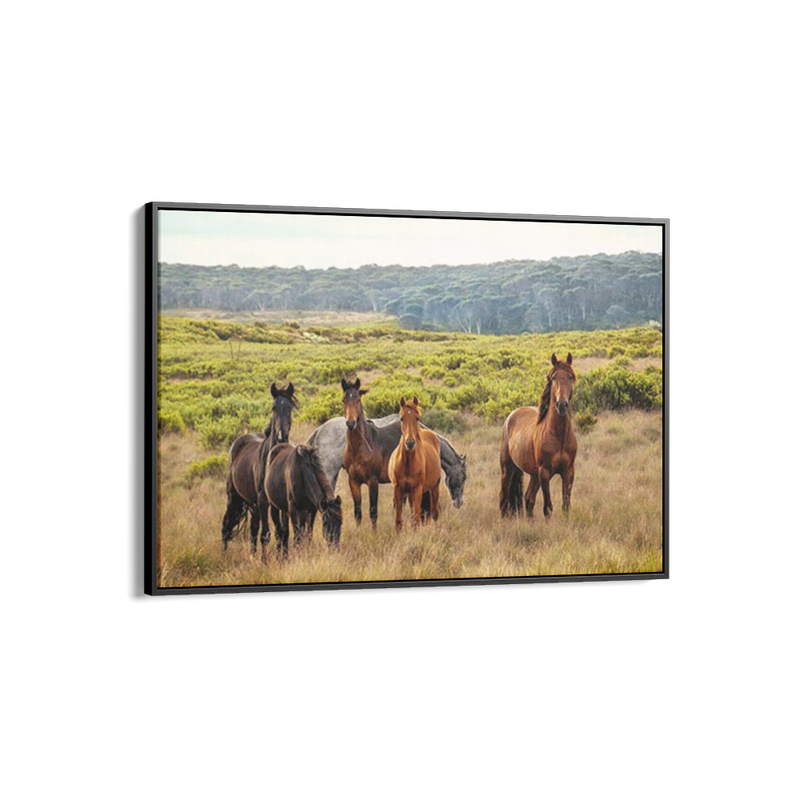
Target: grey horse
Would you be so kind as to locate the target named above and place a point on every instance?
(330, 438)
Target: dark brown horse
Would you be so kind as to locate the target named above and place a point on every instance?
(297, 489)
(540, 441)
(415, 467)
(248, 460)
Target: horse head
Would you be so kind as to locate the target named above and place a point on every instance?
(562, 381)
(283, 402)
(351, 401)
(409, 422)
(332, 519)
(455, 479)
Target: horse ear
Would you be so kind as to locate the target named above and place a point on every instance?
(357, 384)
(323, 503)
(290, 389)
(416, 402)
(274, 390)
(345, 385)
(362, 392)
(402, 402)
(569, 359)
(464, 459)
(554, 360)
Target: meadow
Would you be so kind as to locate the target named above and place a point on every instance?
(214, 379)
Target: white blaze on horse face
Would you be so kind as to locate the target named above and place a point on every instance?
(408, 426)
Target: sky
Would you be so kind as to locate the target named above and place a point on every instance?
(317, 242)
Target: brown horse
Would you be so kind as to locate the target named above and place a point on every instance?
(248, 460)
(540, 441)
(297, 489)
(366, 457)
(415, 466)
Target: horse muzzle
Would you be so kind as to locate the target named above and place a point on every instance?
(411, 444)
(351, 424)
(562, 407)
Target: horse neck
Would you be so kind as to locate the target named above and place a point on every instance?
(360, 434)
(556, 423)
(315, 486)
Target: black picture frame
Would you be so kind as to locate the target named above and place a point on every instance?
(152, 233)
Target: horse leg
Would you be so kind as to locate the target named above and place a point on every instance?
(510, 488)
(530, 493)
(434, 502)
(310, 519)
(355, 490)
(544, 480)
(298, 523)
(416, 507)
(255, 524)
(426, 506)
(398, 508)
(281, 530)
(373, 503)
(566, 487)
(263, 513)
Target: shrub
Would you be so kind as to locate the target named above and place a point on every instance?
(326, 404)
(616, 388)
(584, 421)
(170, 420)
(444, 421)
(211, 467)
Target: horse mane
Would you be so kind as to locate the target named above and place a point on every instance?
(544, 400)
(309, 454)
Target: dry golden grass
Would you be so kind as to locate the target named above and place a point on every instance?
(615, 525)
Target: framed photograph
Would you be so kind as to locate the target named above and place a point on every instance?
(352, 398)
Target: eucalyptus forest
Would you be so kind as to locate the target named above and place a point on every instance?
(570, 293)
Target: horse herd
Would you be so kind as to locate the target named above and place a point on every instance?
(269, 478)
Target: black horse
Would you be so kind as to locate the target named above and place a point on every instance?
(248, 463)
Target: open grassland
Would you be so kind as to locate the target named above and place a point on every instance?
(614, 526)
(214, 379)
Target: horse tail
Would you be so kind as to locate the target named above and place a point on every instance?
(235, 514)
(511, 480)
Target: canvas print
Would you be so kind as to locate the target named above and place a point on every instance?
(351, 398)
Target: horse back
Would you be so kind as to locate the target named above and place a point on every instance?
(433, 458)
(244, 454)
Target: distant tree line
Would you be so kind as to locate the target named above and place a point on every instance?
(575, 293)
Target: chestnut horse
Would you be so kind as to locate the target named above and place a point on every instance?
(415, 467)
(366, 451)
(540, 441)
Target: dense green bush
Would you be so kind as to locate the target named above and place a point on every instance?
(615, 388)
(211, 467)
(202, 388)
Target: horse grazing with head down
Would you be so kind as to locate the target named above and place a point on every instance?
(297, 489)
(248, 461)
(540, 441)
(415, 467)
